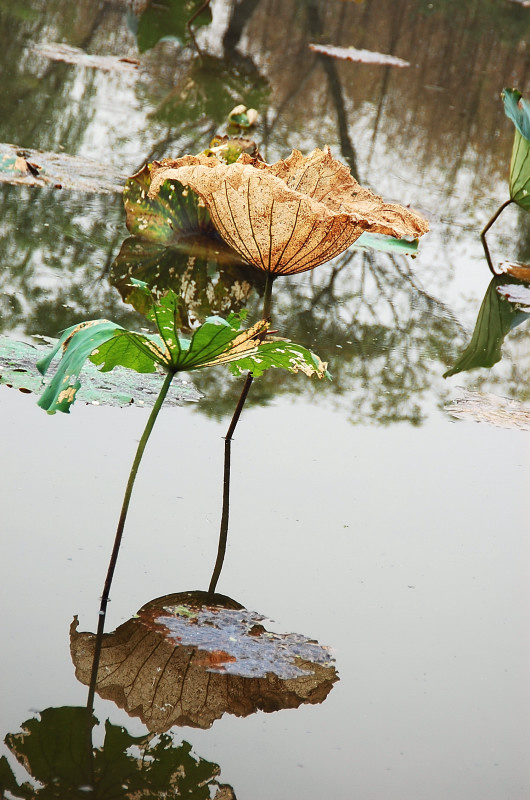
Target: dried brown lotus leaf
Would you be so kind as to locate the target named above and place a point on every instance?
(293, 215)
(187, 660)
(166, 169)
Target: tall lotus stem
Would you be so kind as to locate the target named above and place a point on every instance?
(225, 513)
(119, 531)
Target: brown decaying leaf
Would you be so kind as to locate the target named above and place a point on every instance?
(515, 269)
(290, 216)
(360, 56)
(156, 673)
(73, 55)
(484, 407)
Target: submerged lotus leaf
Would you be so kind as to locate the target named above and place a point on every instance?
(59, 51)
(187, 660)
(25, 167)
(518, 110)
(290, 216)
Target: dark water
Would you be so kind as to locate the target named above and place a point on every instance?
(362, 514)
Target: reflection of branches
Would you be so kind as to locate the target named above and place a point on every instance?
(290, 96)
(396, 31)
(202, 87)
(55, 253)
(335, 88)
(241, 13)
(384, 339)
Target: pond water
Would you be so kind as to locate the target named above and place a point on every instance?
(363, 515)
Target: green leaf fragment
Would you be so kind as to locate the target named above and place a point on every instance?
(387, 244)
(134, 351)
(518, 110)
(78, 342)
(520, 171)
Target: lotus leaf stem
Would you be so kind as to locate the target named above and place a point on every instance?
(486, 229)
(119, 531)
(225, 513)
(223, 532)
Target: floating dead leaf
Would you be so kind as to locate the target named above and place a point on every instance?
(515, 269)
(187, 660)
(484, 407)
(57, 51)
(22, 166)
(290, 216)
(360, 56)
(518, 294)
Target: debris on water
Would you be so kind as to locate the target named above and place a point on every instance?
(26, 167)
(484, 407)
(57, 51)
(360, 56)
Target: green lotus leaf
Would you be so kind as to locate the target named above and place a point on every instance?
(216, 341)
(495, 319)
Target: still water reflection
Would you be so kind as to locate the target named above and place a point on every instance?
(400, 543)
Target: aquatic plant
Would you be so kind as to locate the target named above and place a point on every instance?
(217, 341)
(518, 110)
